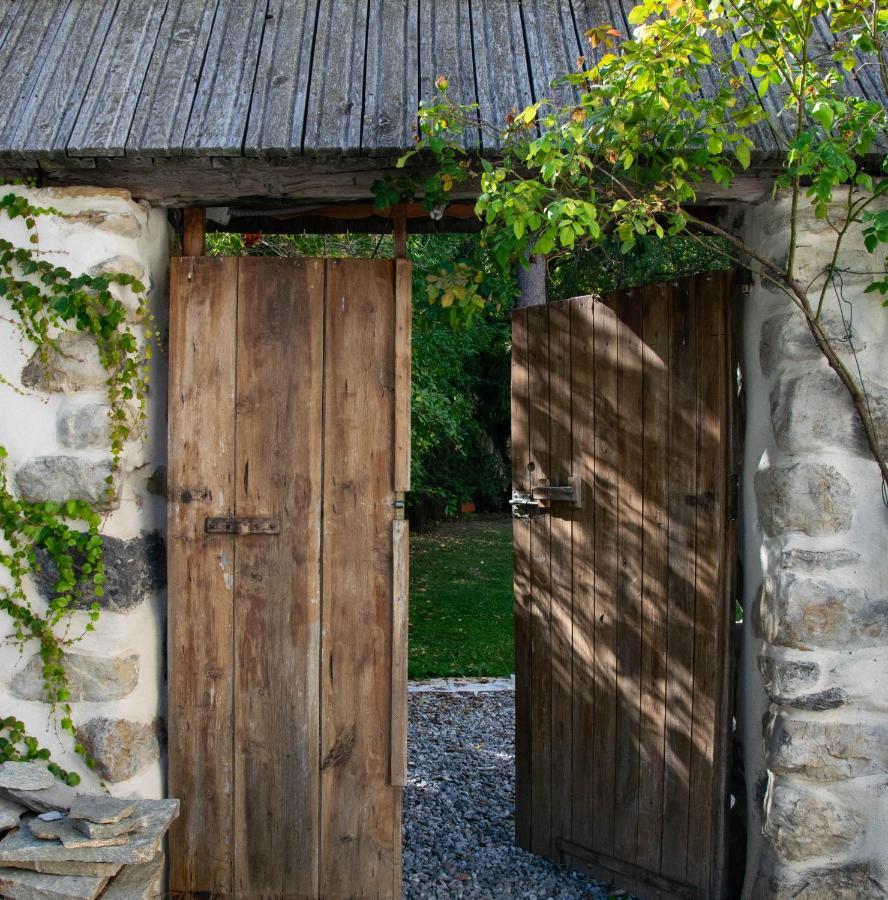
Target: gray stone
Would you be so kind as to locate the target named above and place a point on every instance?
(853, 881)
(10, 813)
(68, 867)
(813, 411)
(101, 809)
(136, 882)
(142, 847)
(124, 224)
(831, 698)
(121, 265)
(73, 366)
(25, 776)
(120, 747)
(63, 478)
(802, 822)
(95, 829)
(813, 498)
(786, 338)
(785, 679)
(826, 751)
(802, 558)
(83, 425)
(60, 797)
(134, 569)
(95, 679)
(72, 838)
(20, 884)
(806, 613)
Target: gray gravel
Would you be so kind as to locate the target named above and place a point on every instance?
(459, 806)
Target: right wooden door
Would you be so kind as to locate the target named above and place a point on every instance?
(623, 594)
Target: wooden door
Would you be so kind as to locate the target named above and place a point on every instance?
(623, 596)
(288, 447)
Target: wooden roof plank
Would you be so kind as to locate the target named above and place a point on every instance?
(445, 48)
(277, 113)
(336, 89)
(391, 94)
(498, 35)
(106, 113)
(553, 47)
(218, 122)
(164, 104)
(57, 93)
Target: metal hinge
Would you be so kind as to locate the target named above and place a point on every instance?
(242, 525)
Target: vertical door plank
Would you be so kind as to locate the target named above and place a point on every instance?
(656, 374)
(403, 331)
(360, 809)
(400, 623)
(541, 605)
(607, 498)
(582, 314)
(522, 576)
(203, 304)
(682, 462)
(709, 652)
(561, 523)
(277, 577)
(628, 572)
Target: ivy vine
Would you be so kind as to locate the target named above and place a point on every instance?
(47, 300)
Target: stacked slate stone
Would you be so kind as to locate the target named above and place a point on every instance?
(59, 843)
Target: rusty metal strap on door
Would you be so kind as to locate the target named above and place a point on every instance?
(240, 525)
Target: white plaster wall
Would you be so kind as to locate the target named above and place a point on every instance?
(110, 224)
(852, 670)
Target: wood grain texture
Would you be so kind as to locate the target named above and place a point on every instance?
(277, 111)
(360, 809)
(277, 590)
(336, 91)
(403, 383)
(200, 580)
(217, 125)
(628, 613)
(109, 102)
(553, 47)
(400, 625)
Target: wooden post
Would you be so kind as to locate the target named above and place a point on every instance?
(532, 284)
(399, 237)
(194, 231)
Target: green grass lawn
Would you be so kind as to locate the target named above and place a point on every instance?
(461, 599)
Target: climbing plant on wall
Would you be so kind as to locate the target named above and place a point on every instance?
(636, 131)
(44, 300)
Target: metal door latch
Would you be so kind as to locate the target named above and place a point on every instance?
(242, 525)
(525, 506)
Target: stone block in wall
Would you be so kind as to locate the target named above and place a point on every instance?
(812, 498)
(63, 478)
(792, 682)
(123, 224)
(134, 569)
(802, 822)
(806, 560)
(83, 425)
(854, 881)
(808, 613)
(787, 339)
(825, 751)
(73, 365)
(120, 747)
(95, 679)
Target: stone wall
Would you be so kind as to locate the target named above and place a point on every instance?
(54, 425)
(814, 711)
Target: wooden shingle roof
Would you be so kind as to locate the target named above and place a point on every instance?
(90, 88)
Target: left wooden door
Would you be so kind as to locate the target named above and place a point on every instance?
(287, 575)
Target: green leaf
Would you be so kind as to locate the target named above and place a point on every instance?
(741, 151)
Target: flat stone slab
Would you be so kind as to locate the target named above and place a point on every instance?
(59, 797)
(63, 830)
(21, 884)
(25, 776)
(10, 813)
(67, 867)
(96, 830)
(141, 847)
(136, 882)
(101, 808)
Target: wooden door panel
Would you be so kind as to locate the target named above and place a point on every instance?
(286, 657)
(623, 623)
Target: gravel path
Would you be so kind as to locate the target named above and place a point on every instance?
(459, 806)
